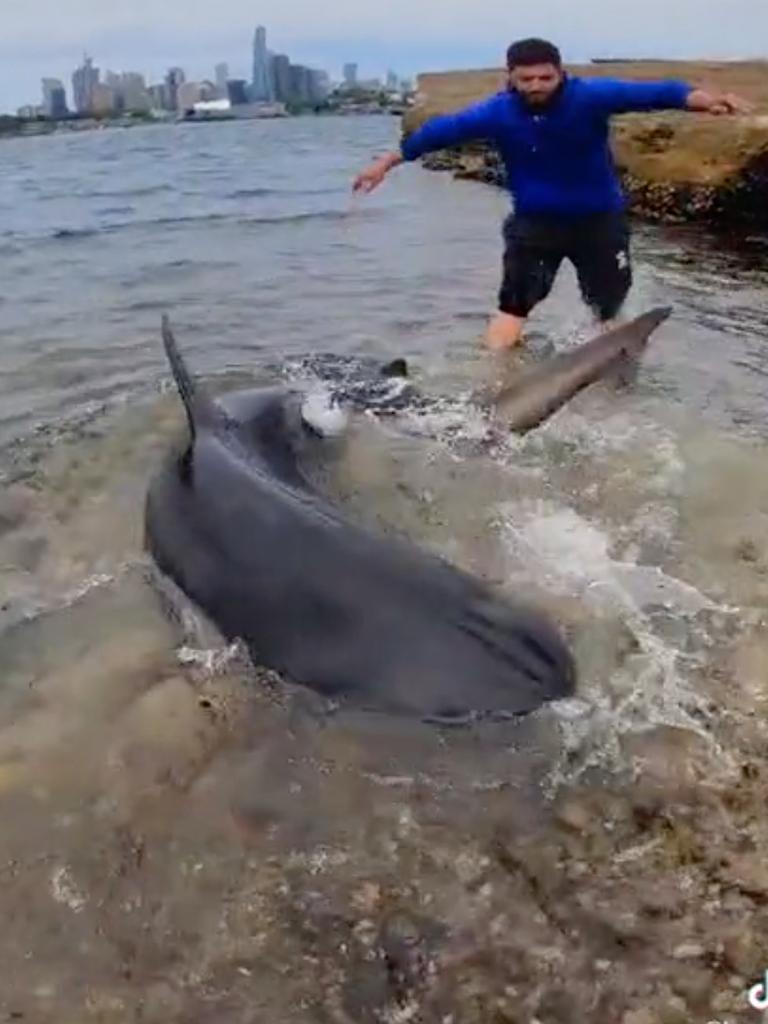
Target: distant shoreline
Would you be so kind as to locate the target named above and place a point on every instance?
(15, 128)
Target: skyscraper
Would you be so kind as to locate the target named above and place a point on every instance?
(102, 100)
(319, 86)
(189, 93)
(133, 89)
(129, 90)
(222, 77)
(350, 75)
(281, 76)
(173, 81)
(237, 90)
(54, 98)
(84, 81)
(392, 81)
(323, 81)
(261, 83)
(158, 96)
(114, 83)
(301, 87)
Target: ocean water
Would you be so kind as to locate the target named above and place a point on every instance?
(248, 236)
(178, 826)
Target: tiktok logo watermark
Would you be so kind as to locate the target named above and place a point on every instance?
(758, 994)
(757, 997)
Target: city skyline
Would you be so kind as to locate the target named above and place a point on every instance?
(153, 70)
(273, 78)
(436, 35)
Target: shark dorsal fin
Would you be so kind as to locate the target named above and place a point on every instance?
(200, 408)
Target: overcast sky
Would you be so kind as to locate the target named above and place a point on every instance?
(48, 37)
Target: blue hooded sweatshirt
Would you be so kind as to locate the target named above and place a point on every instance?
(558, 159)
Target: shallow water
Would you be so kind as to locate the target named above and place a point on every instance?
(188, 839)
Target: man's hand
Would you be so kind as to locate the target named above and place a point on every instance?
(722, 103)
(373, 176)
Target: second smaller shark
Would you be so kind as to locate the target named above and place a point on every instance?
(538, 393)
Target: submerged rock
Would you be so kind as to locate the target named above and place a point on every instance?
(15, 506)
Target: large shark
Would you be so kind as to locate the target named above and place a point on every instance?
(360, 617)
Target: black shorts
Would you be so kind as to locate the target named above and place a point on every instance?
(597, 246)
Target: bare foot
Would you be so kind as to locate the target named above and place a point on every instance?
(504, 332)
(605, 326)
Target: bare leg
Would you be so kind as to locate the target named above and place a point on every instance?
(604, 326)
(505, 331)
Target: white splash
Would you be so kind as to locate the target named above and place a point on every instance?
(212, 661)
(569, 555)
(323, 414)
(572, 556)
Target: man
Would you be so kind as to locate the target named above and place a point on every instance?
(552, 131)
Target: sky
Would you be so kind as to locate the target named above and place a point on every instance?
(48, 37)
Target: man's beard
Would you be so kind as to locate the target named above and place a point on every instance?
(542, 101)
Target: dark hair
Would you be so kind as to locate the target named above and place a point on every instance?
(533, 51)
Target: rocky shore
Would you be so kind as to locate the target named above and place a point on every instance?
(675, 168)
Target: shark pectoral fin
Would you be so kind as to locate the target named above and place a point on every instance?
(624, 371)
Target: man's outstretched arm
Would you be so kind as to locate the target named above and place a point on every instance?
(618, 97)
(475, 122)
(717, 103)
